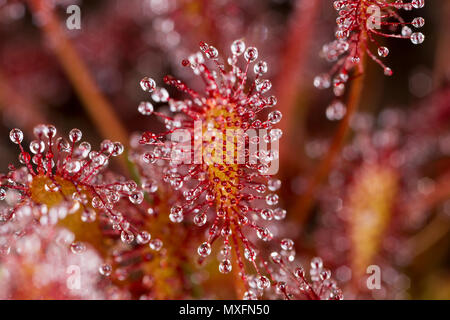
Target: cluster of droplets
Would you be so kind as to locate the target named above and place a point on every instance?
(71, 170)
(293, 283)
(43, 256)
(227, 197)
(359, 24)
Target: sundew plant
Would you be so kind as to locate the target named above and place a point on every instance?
(256, 149)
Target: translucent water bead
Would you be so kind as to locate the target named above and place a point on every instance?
(148, 84)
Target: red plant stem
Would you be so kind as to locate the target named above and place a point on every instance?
(440, 225)
(96, 105)
(239, 285)
(303, 206)
(294, 56)
(442, 62)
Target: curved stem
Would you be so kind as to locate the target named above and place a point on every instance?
(96, 105)
(289, 83)
(439, 226)
(305, 202)
(442, 63)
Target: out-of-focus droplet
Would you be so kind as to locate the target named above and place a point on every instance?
(263, 282)
(105, 269)
(155, 244)
(78, 247)
(336, 111)
(145, 108)
(143, 237)
(322, 81)
(388, 72)
(274, 117)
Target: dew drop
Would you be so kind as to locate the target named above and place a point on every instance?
(176, 214)
(200, 219)
(155, 244)
(417, 38)
(388, 71)
(260, 68)
(5, 249)
(204, 249)
(272, 199)
(264, 234)
(322, 81)
(212, 53)
(143, 237)
(263, 282)
(299, 273)
(281, 286)
(160, 95)
(118, 149)
(238, 47)
(225, 266)
(276, 257)
(37, 146)
(50, 131)
(274, 117)
(251, 54)
(316, 263)
(418, 4)
(16, 136)
(250, 254)
(418, 22)
(336, 111)
(287, 244)
(51, 187)
(127, 236)
(267, 214)
(78, 247)
(406, 31)
(274, 184)
(148, 84)
(250, 295)
(105, 270)
(263, 86)
(145, 108)
(383, 52)
(88, 215)
(279, 214)
(97, 203)
(75, 135)
(136, 197)
(149, 157)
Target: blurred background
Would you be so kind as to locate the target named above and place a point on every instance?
(385, 200)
